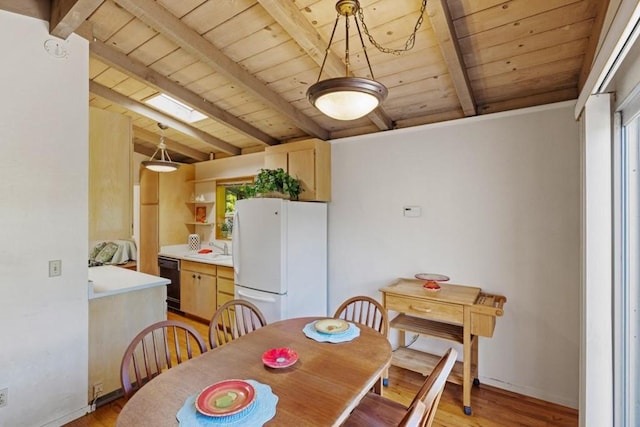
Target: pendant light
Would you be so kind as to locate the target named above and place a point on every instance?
(349, 98)
(346, 98)
(164, 164)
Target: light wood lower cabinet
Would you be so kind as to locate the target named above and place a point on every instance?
(198, 289)
(225, 285)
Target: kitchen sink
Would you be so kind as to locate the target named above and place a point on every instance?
(212, 256)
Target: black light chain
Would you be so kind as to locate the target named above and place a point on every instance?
(408, 45)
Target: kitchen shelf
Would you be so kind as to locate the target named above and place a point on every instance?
(422, 362)
(199, 223)
(202, 202)
(422, 326)
(198, 181)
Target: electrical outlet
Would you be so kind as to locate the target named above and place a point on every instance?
(4, 396)
(97, 390)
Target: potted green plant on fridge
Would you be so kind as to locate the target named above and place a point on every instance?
(274, 183)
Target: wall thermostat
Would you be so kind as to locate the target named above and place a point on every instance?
(412, 211)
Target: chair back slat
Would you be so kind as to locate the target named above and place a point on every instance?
(366, 311)
(232, 320)
(374, 410)
(429, 394)
(154, 350)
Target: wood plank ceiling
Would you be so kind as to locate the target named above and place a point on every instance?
(247, 64)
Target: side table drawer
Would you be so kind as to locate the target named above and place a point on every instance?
(451, 313)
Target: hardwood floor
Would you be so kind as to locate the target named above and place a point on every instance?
(492, 407)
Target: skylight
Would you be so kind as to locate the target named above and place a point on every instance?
(175, 108)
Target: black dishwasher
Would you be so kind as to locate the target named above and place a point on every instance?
(170, 269)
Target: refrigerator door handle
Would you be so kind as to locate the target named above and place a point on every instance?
(247, 296)
(235, 237)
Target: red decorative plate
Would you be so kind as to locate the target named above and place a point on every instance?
(331, 326)
(431, 280)
(279, 357)
(430, 277)
(225, 398)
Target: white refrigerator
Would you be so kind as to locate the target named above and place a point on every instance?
(280, 257)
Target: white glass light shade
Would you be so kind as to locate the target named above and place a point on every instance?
(346, 98)
(160, 166)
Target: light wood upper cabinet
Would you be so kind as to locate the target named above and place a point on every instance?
(110, 178)
(163, 213)
(309, 161)
(149, 186)
(175, 188)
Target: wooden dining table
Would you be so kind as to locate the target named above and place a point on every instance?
(320, 389)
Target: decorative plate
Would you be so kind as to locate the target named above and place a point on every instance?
(279, 357)
(331, 326)
(429, 277)
(225, 398)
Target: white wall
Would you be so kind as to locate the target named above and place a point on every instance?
(500, 199)
(43, 216)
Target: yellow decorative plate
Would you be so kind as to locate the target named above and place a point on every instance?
(331, 326)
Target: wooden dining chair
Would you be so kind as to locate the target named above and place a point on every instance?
(366, 311)
(232, 320)
(156, 348)
(377, 411)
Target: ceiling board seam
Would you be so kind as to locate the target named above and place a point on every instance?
(162, 20)
(163, 84)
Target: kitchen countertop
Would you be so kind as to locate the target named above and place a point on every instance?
(109, 280)
(183, 252)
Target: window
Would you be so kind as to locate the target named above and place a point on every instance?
(175, 108)
(627, 295)
(227, 193)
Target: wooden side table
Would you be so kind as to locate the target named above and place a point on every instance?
(129, 265)
(454, 313)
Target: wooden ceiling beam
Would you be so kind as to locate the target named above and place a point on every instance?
(438, 12)
(291, 19)
(68, 15)
(163, 21)
(39, 9)
(137, 107)
(141, 149)
(172, 145)
(529, 101)
(137, 70)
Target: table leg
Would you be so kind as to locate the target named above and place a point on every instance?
(466, 362)
(474, 360)
(377, 387)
